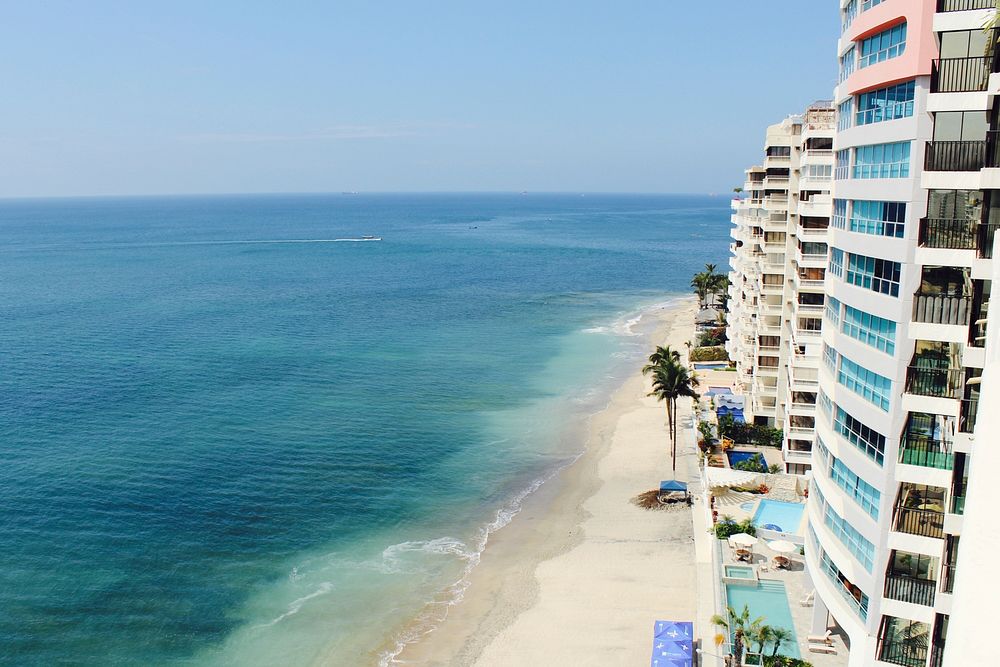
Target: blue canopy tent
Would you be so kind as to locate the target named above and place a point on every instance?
(673, 485)
(673, 644)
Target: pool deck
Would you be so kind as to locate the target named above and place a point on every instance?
(797, 586)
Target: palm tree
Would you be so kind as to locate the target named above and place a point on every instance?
(779, 635)
(740, 626)
(661, 355)
(762, 635)
(671, 380)
(702, 284)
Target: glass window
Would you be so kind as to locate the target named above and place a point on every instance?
(860, 491)
(955, 204)
(839, 218)
(847, 17)
(877, 275)
(963, 44)
(960, 126)
(885, 104)
(883, 46)
(882, 161)
(832, 311)
(830, 358)
(837, 262)
(853, 541)
(867, 384)
(879, 218)
(844, 110)
(847, 64)
(843, 169)
(868, 4)
(869, 441)
(875, 331)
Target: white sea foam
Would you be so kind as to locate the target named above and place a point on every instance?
(295, 605)
(625, 325)
(436, 610)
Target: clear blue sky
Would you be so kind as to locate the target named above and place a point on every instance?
(138, 97)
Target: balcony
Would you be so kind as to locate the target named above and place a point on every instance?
(909, 652)
(960, 75)
(955, 155)
(916, 521)
(936, 382)
(948, 233)
(967, 415)
(942, 308)
(920, 450)
(910, 589)
(984, 239)
(964, 5)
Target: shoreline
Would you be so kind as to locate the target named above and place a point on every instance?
(579, 559)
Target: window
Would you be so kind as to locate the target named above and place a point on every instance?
(824, 403)
(869, 441)
(832, 311)
(883, 46)
(853, 541)
(847, 18)
(885, 104)
(844, 110)
(879, 218)
(839, 218)
(960, 126)
(830, 358)
(868, 4)
(821, 172)
(882, 161)
(847, 64)
(875, 331)
(813, 248)
(837, 262)
(877, 275)
(843, 169)
(779, 151)
(964, 44)
(955, 204)
(857, 600)
(864, 494)
(869, 385)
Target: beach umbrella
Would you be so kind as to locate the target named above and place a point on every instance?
(743, 540)
(782, 546)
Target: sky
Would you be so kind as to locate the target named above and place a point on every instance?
(130, 98)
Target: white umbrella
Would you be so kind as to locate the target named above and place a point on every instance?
(782, 546)
(743, 539)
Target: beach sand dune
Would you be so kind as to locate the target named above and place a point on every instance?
(579, 577)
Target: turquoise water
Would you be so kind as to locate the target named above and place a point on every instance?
(768, 599)
(221, 449)
(787, 516)
(739, 572)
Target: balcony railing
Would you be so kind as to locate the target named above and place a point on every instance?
(909, 589)
(964, 5)
(942, 308)
(948, 233)
(919, 450)
(960, 75)
(937, 382)
(984, 240)
(916, 521)
(947, 578)
(955, 155)
(967, 415)
(912, 653)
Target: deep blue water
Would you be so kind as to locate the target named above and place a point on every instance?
(218, 452)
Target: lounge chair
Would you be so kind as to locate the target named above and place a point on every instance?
(822, 648)
(821, 639)
(807, 601)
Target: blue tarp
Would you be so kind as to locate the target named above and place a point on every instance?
(673, 644)
(673, 485)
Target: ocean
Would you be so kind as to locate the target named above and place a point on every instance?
(230, 438)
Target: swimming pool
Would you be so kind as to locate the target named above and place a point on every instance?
(736, 456)
(780, 516)
(710, 365)
(767, 599)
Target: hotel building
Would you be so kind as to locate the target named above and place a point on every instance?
(778, 264)
(904, 342)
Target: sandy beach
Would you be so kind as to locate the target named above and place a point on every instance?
(580, 575)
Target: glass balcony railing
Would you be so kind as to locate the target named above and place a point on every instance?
(910, 589)
(967, 415)
(916, 521)
(958, 505)
(937, 382)
(942, 308)
(960, 75)
(919, 450)
(955, 155)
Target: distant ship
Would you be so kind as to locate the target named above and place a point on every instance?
(368, 237)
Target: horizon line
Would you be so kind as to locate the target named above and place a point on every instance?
(348, 193)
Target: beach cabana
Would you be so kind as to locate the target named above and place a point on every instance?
(669, 487)
(673, 644)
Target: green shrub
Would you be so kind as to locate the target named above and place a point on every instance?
(727, 527)
(713, 337)
(785, 661)
(717, 353)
